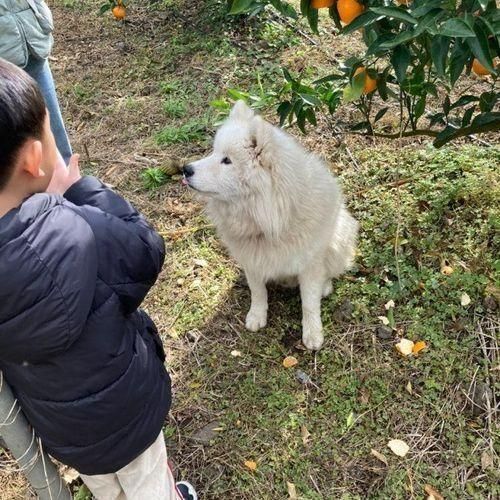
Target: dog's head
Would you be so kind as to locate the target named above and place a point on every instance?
(241, 160)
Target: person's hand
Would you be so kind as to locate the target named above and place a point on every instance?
(64, 177)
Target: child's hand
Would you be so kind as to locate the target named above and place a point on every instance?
(64, 177)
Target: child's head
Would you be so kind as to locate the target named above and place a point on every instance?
(27, 148)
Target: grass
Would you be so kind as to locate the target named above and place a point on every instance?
(418, 209)
(360, 399)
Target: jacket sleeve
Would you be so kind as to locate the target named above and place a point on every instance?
(130, 251)
(59, 268)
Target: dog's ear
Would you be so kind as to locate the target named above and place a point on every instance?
(241, 111)
(261, 137)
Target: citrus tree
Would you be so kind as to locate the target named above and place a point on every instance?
(416, 52)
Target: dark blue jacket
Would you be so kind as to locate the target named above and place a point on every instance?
(85, 363)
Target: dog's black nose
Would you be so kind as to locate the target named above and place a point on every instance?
(188, 171)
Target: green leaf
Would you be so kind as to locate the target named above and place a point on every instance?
(240, 6)
(446, 105)
(439, 53)
(332, 11)
(355, 89)
(400, 59)
(380, 114)
(456, 28)
(311, 116)
(464, 100)
(284, 8)
(487, 101)
(284, 109)
(312, 17)
(395, 13)
(427, 6)
(287, 75)
(329, 78)
(310, 99)
(304, 7)
(480, 47)
(419, 108)
(301, 121)
(363, 20)
(429, 20)
(361, 126)
(467, 116)
(459, 56)
(104, 8)
(382, 88)
(486, 119)
(403, 37)
(446, 135)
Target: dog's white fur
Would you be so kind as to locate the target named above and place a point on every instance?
(279, 211)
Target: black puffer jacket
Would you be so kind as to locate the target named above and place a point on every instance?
(84, 362)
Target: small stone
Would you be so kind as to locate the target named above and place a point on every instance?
(207, 433)
(200, 263)
(303, 377)
(490, 303)
(384, 332)
(345, 310)
(481, 393)
(180, 281)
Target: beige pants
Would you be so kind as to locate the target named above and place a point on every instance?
(148, 477)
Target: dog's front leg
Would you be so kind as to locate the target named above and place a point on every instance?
(257, 316)
(311, 288)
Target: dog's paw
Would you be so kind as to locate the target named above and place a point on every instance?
(256, 320)
(313, 342)
(312, 338)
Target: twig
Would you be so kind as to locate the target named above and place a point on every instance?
(178, 232)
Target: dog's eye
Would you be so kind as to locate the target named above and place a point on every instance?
(226, 161)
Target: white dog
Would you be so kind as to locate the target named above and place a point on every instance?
(279, 211)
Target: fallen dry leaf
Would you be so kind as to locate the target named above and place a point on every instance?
(292, 492)
(446, 270)
(486, 460)
(398, 447)
(305, 435)
(409, 389)
(433, 493)
(390, 305)
(236, 354)
(379, 456)
(405, 347)
(251, 465)
(418, 347)
(465, 299)
(384, 320)
(290, 361)
(70, 475)
(200, 263)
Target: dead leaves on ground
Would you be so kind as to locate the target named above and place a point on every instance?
(398, 447)
(406, 347)
(250, 465)
(290, 361)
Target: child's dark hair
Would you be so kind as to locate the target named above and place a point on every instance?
(22, 114)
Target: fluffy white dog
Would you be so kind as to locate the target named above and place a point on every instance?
(279, 211)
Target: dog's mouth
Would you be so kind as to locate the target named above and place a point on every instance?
(185, 182)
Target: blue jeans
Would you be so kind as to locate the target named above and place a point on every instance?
(39, 70)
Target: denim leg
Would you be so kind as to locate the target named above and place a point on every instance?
(39, 70)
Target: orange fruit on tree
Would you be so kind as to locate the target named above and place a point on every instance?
(479, 69)
(349, 10)
(370, 83)
(119, 11)
(322, 4)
